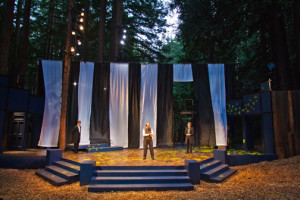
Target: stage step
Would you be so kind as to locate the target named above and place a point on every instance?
(71, 146)
(140, 187)
(61, 172)
(139, 167)
(51, 178)
(223, 176)
(168, 172)
(103, 149)
(140, 178)
(214, 171)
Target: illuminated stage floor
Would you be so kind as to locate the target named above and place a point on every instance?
(134, 157)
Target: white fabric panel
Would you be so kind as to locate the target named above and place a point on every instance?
(218, 97)
(52, 71)
(118, 104)
(148, 100)
(85, 91)
(182, 73)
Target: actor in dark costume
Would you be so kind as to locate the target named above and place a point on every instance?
(189, 137)
(76, 136)
(148, 140)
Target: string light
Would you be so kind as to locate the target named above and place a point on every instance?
(73, 33)
(82, 14)
(72, 49)
(78, 42)
(122, 42)
(81, 27)
(81, 19)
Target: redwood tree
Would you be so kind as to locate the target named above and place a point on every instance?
(100, 55)
(5, 34)
(65, 84)
(117, 12)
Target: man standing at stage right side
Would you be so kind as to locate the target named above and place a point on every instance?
(189, 137)
(148, 141)
(76, 136)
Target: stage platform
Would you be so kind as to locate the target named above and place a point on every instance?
(36, 158)
(29, 159)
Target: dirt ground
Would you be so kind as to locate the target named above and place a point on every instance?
(278, 179)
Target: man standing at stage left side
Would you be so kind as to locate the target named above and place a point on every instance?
(148, 140)
(76, 136)
(189, 137)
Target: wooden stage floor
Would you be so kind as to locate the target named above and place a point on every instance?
(134, 157)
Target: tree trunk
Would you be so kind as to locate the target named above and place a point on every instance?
(13, 77)
(48, 52)
(25, 44)
(86, 31)
(115, 30)
(101, 44)
(296, 7)
(5, 35)
(65, 84)
(280, 48)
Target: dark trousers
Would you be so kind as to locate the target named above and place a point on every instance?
(150, 144)
(189, 146)
(76, 145)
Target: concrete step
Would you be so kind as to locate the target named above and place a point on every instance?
(51, 178)
(209, 165)
(68, 166)
(139, 167)
(63, 173)
(169, 172)
(223, 176)
(103, 149)
(214, 171)
(140, 180)
(139, 187)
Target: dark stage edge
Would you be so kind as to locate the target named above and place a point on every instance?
(30, 159)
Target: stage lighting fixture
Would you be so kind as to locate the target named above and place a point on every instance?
(122, 42)
(73, 33)
(81, 27)
(81, 19)
(78, 42)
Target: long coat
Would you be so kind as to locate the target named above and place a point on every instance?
(76, 134)
(191, 137)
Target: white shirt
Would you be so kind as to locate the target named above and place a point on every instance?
(79, 128)
(146, 134)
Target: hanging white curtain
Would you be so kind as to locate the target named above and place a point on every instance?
(85, 91)
(218, 97)
(148, 100)
(182, 73)
(52, 71)
(118, 104)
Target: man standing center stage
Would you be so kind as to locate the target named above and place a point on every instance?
(189, 137)
(76, 136)
(148, 140)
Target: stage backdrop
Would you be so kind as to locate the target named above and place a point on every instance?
(85, 89)
(118, 104)
(182, 73)
(148, 100)
(52, 71)
(218, 97)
